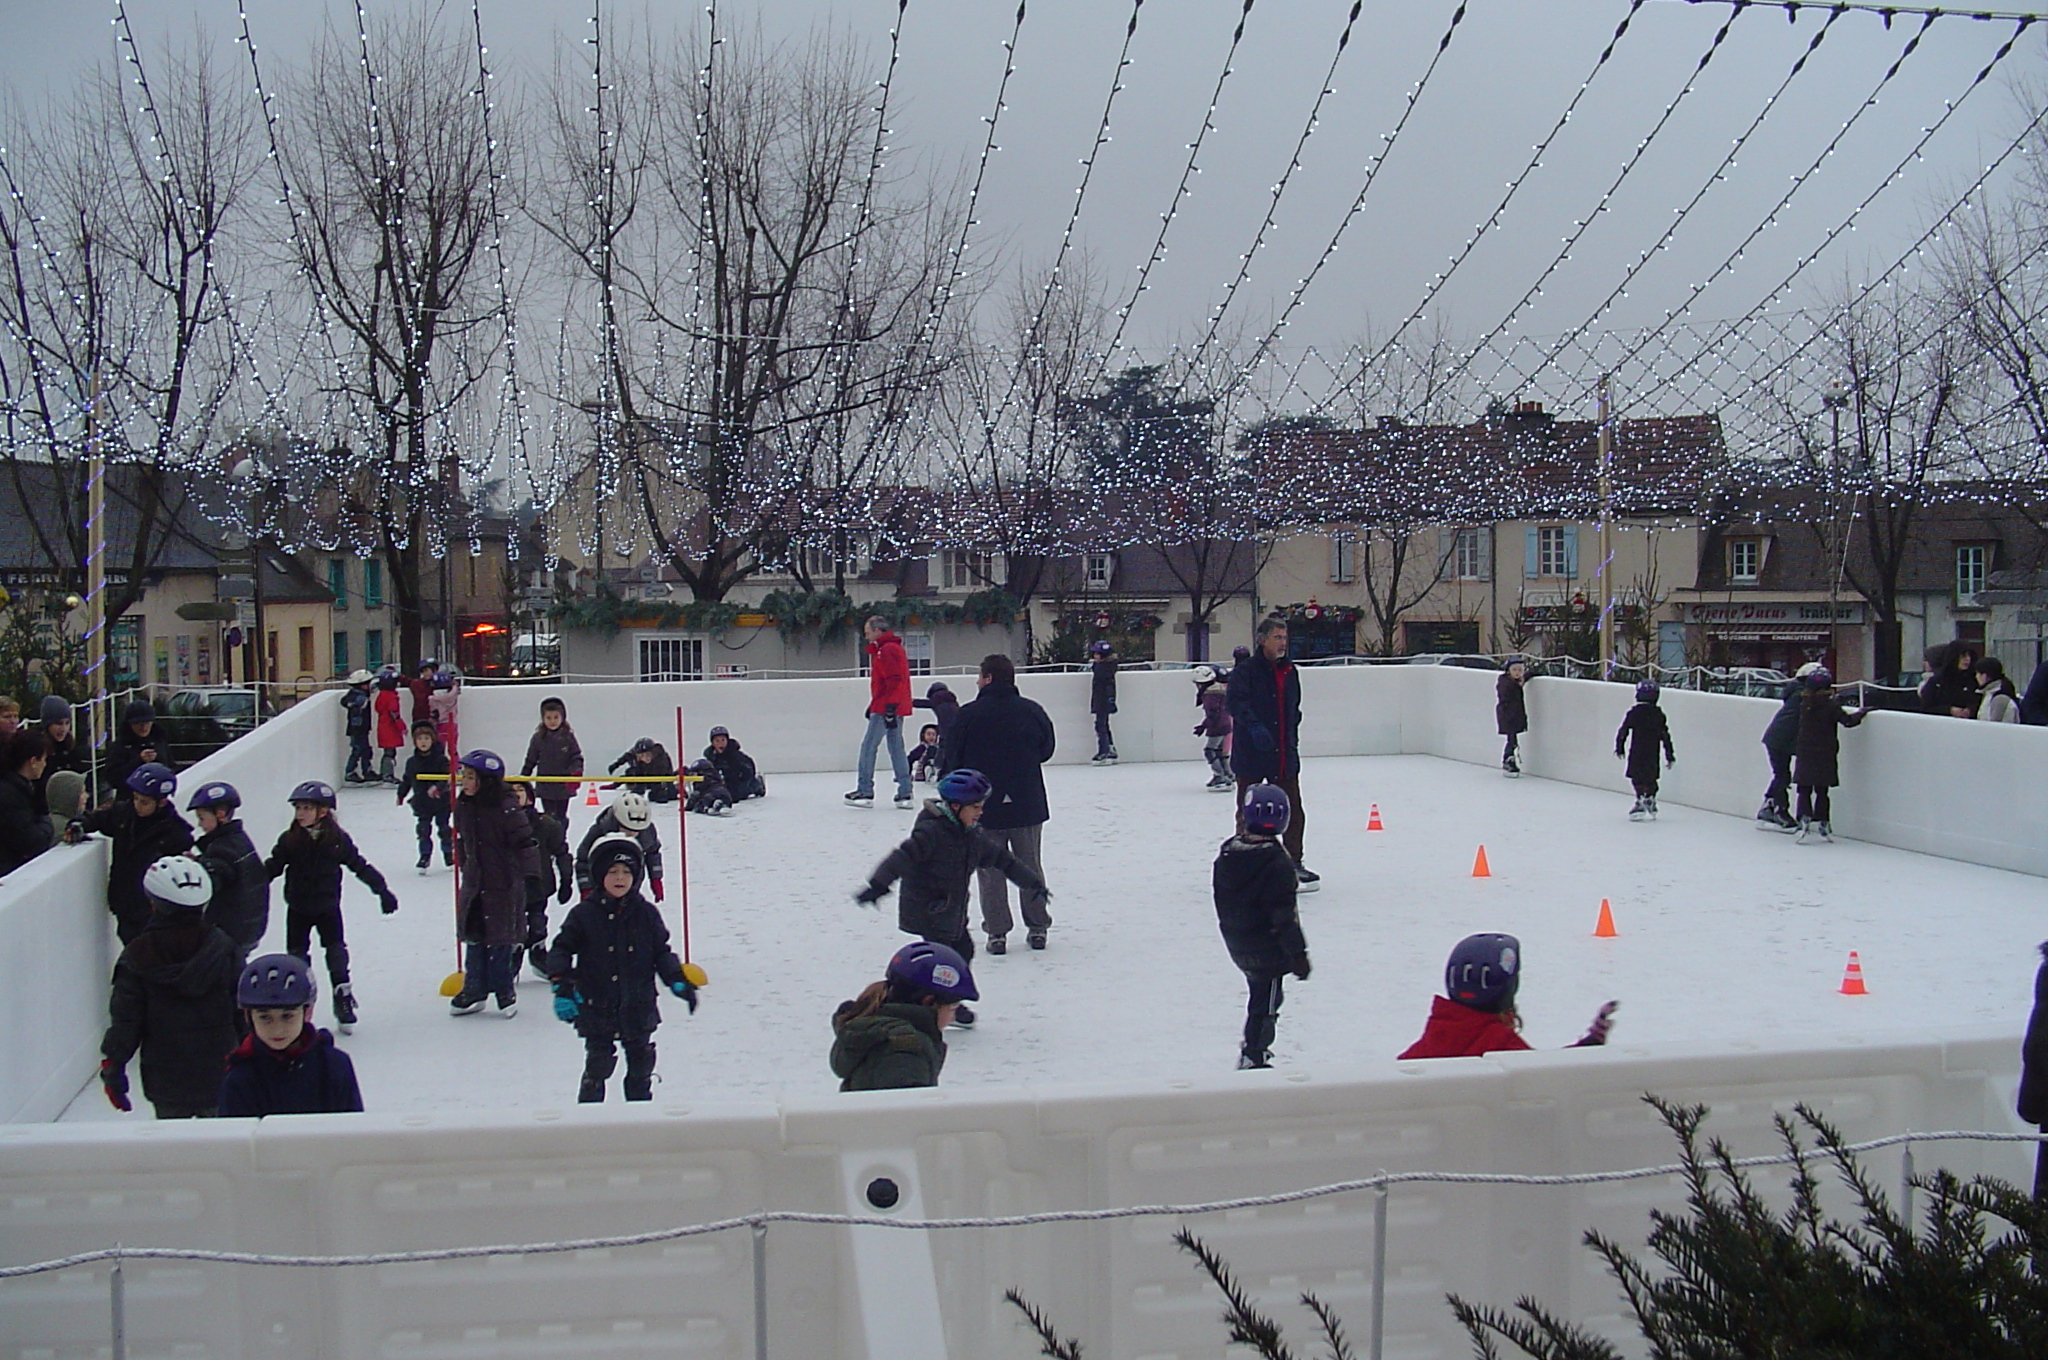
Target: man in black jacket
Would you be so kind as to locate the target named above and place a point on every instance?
(25, 830)
(1265, 743)
(1008, 738)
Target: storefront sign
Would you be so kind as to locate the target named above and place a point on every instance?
(1761, 613)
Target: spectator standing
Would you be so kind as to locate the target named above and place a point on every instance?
(1008, 738)
(63, 783)
(888, 704)
(2000, 702)
(137, 744)
(1950, 689)
(2034, 703)
(1265, 744)
(1102, 698)
(25, 829)
(1511, 713)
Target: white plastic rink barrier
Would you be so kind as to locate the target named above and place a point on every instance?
(347, 1184)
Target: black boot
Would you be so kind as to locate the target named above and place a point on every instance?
(475, 990)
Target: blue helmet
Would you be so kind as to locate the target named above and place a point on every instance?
(1484, 972)
(965, 786)
(1646, 691)
(1100, 647)
(489, 764)
(152, 780)
(444, 678)
(1820, 677)
(275, 981)
(215, 793)
(1266, 809)
(318, 792)
(924, 967)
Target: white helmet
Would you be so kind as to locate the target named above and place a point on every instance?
(360, 677)
(179, 881)
(1205, 675)
(633, 811)
(1808, 669)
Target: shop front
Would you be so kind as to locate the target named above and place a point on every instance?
(1780, 635)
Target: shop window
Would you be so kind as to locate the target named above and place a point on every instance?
(671, 658)
(1973, 563)
(1745, 560)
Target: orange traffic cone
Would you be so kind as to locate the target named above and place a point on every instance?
(1479, 869)
(1605, 929)
(1373, 823)
(1852, 978)
(591, 801)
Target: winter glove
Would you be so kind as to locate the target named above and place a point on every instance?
(1596, 1033)
(868, 895)
(687, 990)
(389, 902)
(74, 831)
(567, 1008)
(115, 1080)
(563, 893)
(657, 890)
(1301, 968)
(1618, 755)
(1670, 761)
(1201, 728)
(890, 720)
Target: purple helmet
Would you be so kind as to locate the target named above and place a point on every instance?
(1484, 972)
(315, 791)
(1266, 809)
(275, 981)
(1646, 691)
(1820, 677)
(489, 764)
(922, 966)
(217, 793)
(1100, 647)
(152, 780)
(965, 786)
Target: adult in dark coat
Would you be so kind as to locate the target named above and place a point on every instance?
(25, 829)
(1815, 764)
(2033, 1104)
(1265, 745)
(1008, 738)
(496, 858)
(142, 830)
(1511, 712)
(1951, 691)
(173, 999)
(137, 744)
(2034, 702)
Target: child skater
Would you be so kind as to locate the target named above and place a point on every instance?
(629, 813)
(893, 1035)
(357, 717)
(1255, 886)
(143, 827)
(173, 999)
(945, 707)
(1476, 1014)
(285, 1066)
(1212, 696)
(1816, 766)
(612, 948)
(1511, 714)
(1781, 738)
(926, 755)
(447, 693)
(936, 864)
(1644, 730)
(1102, 698)
(648, 758)
(742, 778)
(558, 875)
(241, 889)
(554, 750)
(390, 724)
(499, 859)
(709, 795)
(431, 798)
(310, 855)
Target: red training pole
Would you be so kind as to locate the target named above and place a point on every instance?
(682, 835)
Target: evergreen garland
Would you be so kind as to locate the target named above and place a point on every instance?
(829, 615)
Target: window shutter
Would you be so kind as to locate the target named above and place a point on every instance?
(1571, 553)
(1447, 551)
(1529, 561)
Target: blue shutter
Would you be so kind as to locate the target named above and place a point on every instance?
(1571, 553)
(1529, 560)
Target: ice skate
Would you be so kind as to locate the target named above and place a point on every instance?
(963, 1018)
(345, 1008)
(1767, 818)
(1650, 806)
(998, 944)
(859, 799)
(467, 1002)
(1036, 939)
(903, 804)
(1218, 783)
(1307, 879)
(1805, 832)
(1638, 812)
(1247, 1061)
(1511, 767)
(508, 1005)
(1825, 830)
(426, 858)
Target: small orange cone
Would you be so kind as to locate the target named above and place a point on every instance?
(1373, 822)
(591, 801)
(1852, 979)
(1605, 929)
(1479, 869)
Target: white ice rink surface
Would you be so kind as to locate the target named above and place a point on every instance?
(1725, 931)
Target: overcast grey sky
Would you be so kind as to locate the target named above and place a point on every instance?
(1511, 69)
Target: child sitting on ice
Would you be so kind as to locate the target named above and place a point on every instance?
(735, 767)
(285, 1066)
(708, 794)
(924, 757)
(648, 758)
(893, 1035)
(1477, 1013)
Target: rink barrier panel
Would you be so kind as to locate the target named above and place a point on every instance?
(331, 1185)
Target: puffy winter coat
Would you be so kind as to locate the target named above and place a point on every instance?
(428, 796)
(1948, 688)
(935, 866)
(1255, 883)
(496, 857)
(607, 824)
(1781, 738)
(312, 1076)
(312, 867)
(138, 842)
(659, 763)
(1007, 737)
(390, 723)
(611, 951)
(1650, 729)
(735, 767)
(1510, 705)
(1458, 1031)
(899, 1046)
(1214, 701)
(1815, 760)
(174, 999)
(127, 752)
(1102, 686)
(25, 829)
(1265, 711)
(442, 704)
(551, 843)
(888, 676)
(2033, 1104)
(241, 886)
(355, 708)
(554, 752)
(1999, 706)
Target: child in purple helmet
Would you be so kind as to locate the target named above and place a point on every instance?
(893, 1035)
(1255, 887)
(284, 1065)
(310, 856)
(1643, 731)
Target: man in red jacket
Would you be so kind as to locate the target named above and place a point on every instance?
(888, 704)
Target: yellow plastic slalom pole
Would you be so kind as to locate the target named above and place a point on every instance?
(692, 974)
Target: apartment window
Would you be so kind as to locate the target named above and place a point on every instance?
(373, 649)
(917, 647)
(1096, 569)
(1470, 555)
(1553, 551)
(373, 583)
(671, 658)
(1745, 560)
(1343, 555)
(1973, 562)
(823, 564)
(340, 652)
(306, 649)
(337, 580)
(969, 570)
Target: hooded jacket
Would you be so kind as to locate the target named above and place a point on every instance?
(1816, 759)
(174, 999)
(138, 842)
(312, 1076)
(390, 719)
(241, 885)
(1255, 884)
(1007, 737)
(935, 865)
(127, 751)
(897, 1047)
(735, 767)
(611, 951)
(1456, 1030)
(1265, 714)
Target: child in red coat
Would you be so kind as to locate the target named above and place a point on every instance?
(1477, 1013)
(390, 726)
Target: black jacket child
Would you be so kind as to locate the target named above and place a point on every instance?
(356, 712)
(899, 1046)
(138, 842)
(311, 1076)
(935, 866)
(607, 824)
(736, 767)
(1255, 886)
(1781, 737)
(611, 951)
(241, 885)
(1650, 730)
(174, 999)
(659, 763)
(1815, 762)
(429, 797)
(1510, 705)
(551, 839)
(1102, 686)
(312, 867)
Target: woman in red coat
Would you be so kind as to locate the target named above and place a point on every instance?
(390, 726)
(1477, 1012)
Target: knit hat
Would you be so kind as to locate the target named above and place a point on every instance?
(56, 709)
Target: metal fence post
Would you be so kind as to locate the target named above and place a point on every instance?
(1377, 1344)
(760, 1289)
(117, 1300)
(1906, 1188)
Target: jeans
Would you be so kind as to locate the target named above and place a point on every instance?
(1023, 842)
(360, 764)
(1291, 838)
(487, 969)
(879, 727)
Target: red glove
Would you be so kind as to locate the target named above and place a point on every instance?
(657, 890)
(115, 1081)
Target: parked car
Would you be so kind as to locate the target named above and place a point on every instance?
(197, 722)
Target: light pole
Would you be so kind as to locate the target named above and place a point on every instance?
(1834, 399)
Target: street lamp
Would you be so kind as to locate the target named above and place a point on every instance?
(1834, 399)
